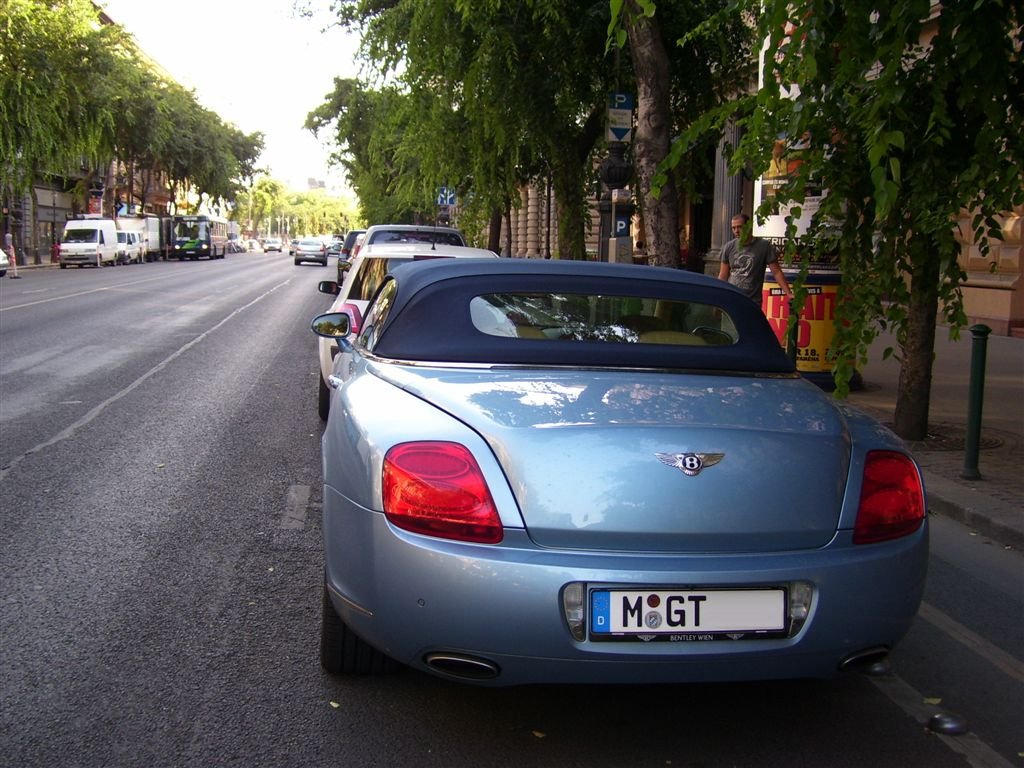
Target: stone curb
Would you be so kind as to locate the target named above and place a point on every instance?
(965, 506)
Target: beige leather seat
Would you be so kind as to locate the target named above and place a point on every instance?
(529, 332)
(671, 337)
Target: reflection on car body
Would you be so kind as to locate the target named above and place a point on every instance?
(537, 471)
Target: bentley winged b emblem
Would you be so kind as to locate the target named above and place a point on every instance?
(690, 464)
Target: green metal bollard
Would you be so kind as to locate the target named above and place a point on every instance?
(979, 345)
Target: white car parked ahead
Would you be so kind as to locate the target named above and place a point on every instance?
(363, 275)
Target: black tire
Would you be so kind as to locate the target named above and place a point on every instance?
(342, 652)
(63, 266)
(323, 400)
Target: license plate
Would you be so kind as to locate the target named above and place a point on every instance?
(682, 615)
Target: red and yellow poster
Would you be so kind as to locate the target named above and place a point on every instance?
(815, 328)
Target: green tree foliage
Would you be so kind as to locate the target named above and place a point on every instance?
(676, 84)
(317, 213)
(74, 93)
(54, 66)
(904, 130)
(369, 127)
(497, 93)
(266, 204)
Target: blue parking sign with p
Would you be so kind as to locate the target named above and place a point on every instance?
(622, 226)
(620, 101)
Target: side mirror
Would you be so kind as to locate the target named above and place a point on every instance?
(329, 287)
(333, 325)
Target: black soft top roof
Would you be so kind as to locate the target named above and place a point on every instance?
(431, 321)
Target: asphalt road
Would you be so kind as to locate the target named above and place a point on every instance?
(160, 573)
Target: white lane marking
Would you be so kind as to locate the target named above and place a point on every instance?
(97, 410)
(296, 501)
(86, 293)
(82, 293)
(977, 753)
(995, 656)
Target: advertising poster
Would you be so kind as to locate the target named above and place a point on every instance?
(816, 326)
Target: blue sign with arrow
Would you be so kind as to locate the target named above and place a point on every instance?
(620, 117)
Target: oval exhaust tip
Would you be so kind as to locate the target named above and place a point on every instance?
(866, 660)
(461, 666)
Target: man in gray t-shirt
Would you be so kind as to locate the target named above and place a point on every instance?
(745, 260)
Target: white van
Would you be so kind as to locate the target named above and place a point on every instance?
(88, 241)
(128, 247)
(131, 240)
(157, 234)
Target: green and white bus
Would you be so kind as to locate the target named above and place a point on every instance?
(195, 236)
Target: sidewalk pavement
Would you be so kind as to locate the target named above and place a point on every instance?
(994, 505)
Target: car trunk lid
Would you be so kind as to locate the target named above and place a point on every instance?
(656, 461)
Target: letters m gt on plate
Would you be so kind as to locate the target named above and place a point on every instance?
(686, 614)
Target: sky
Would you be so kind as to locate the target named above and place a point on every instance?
(256, 63)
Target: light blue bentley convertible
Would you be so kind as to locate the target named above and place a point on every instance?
(543, 471)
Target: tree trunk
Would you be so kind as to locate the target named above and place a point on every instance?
(653, 138)
(34, 234)
(508, 229)
(568, 187)
(913, 395)
(494, 231)
(568, 182)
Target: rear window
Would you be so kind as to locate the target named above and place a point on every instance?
(593, 317)
(400, 236)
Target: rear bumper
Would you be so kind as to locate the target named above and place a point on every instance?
(411, 596)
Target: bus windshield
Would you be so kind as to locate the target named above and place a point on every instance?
(189, 230)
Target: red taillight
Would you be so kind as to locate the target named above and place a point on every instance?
(437, 489)
(891, 498)
(356, 316)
